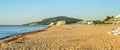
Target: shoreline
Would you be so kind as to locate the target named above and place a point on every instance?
(16, 37)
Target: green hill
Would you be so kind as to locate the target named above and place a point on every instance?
(55, 19)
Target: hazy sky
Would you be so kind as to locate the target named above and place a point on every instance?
(24, 11)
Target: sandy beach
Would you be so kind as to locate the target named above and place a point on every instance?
(69, 37)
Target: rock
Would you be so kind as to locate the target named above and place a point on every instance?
(90, 23)
(60, 23)
(51, 24)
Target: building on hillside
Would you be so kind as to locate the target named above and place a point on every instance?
(118, 16)
(115, 20)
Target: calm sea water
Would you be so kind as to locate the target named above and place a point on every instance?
(7, 31)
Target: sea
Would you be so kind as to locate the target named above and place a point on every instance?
(7, 31)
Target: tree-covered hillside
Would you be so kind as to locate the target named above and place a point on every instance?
(55, 20)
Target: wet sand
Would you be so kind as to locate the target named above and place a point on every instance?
(67, 38)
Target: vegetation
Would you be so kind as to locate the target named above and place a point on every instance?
(55, 20)
(98, 22)
(108, 18)
(111, 20)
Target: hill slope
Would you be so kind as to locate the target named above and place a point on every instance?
(55, 19)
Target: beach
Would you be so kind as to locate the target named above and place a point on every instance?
(68, 37)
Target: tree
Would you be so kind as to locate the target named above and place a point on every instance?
(113, 17)
(97, 22)
(107, 18)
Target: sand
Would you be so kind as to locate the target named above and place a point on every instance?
(67, 38)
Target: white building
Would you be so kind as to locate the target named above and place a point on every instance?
(118, 16)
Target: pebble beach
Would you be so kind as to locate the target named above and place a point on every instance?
(68, 37)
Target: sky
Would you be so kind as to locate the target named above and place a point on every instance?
(15, 12)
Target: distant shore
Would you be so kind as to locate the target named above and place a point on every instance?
(74, 37)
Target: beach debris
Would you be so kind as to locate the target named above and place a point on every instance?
(60, 23)
(51, 24)
(115, 32)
